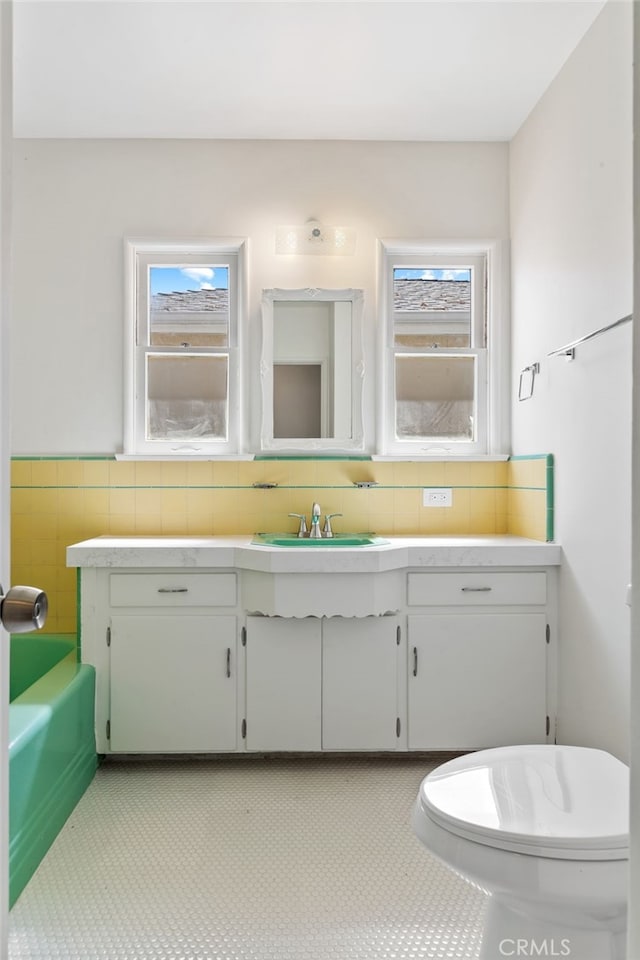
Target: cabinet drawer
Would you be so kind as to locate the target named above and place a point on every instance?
(172, 589)
(476, 589)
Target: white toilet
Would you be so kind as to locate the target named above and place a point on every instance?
(544, 830)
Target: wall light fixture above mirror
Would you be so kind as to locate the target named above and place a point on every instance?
(312, 370)
(315, 238)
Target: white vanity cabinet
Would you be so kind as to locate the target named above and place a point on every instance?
(360, 659)
(206, 645)
(325, 683)
(283, 690)
(477, 659)
(164, 645)
(173, 683)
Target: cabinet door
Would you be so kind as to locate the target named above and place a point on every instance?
(476, 680)
(283, 684)
(359, 688)
(173, 683)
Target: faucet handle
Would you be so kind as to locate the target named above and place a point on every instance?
(326, 530)
(302, 528)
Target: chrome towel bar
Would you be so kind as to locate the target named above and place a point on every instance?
(570, 348)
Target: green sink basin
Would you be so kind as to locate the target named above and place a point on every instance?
(337, 540)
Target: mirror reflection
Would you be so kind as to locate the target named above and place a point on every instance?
(312, 368)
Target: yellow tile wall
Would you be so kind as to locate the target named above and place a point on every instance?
(59, 502)
(530, 497)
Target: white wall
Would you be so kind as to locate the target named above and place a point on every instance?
(571, 230)
(633, 946)
(76, 200)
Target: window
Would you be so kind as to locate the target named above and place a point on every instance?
(182, 349)
(438, 390)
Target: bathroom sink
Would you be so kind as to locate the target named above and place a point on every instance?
(337, 540)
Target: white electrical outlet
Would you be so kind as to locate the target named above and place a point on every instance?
(437, 497)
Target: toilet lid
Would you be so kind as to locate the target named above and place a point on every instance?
(544, 800)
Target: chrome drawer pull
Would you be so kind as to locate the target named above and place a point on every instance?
(173, 590)
(476, 589)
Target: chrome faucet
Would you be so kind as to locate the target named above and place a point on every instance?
(315, 522)
(302, 527)
(326, 530)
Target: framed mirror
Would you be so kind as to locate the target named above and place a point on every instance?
(312, 370)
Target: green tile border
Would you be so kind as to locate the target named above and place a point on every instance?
(35, 457)
(548, 488)
(256, 458)
(265, 457)
(530, 456)
(281, 486)
(78, 616)
(550, 497)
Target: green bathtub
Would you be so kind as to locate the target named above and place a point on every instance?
(52, 752)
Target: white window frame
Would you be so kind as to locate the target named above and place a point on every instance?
(139, 255)
(491, 401)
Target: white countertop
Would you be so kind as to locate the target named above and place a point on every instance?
(238, 552)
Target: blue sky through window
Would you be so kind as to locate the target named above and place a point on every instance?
(180, 279)
(429, 273)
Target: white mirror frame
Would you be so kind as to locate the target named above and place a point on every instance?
(316, 444)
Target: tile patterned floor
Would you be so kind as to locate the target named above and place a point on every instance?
(246, 859)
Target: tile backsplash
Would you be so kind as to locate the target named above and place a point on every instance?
(59, 501)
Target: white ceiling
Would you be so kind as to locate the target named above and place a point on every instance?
(299, 69)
